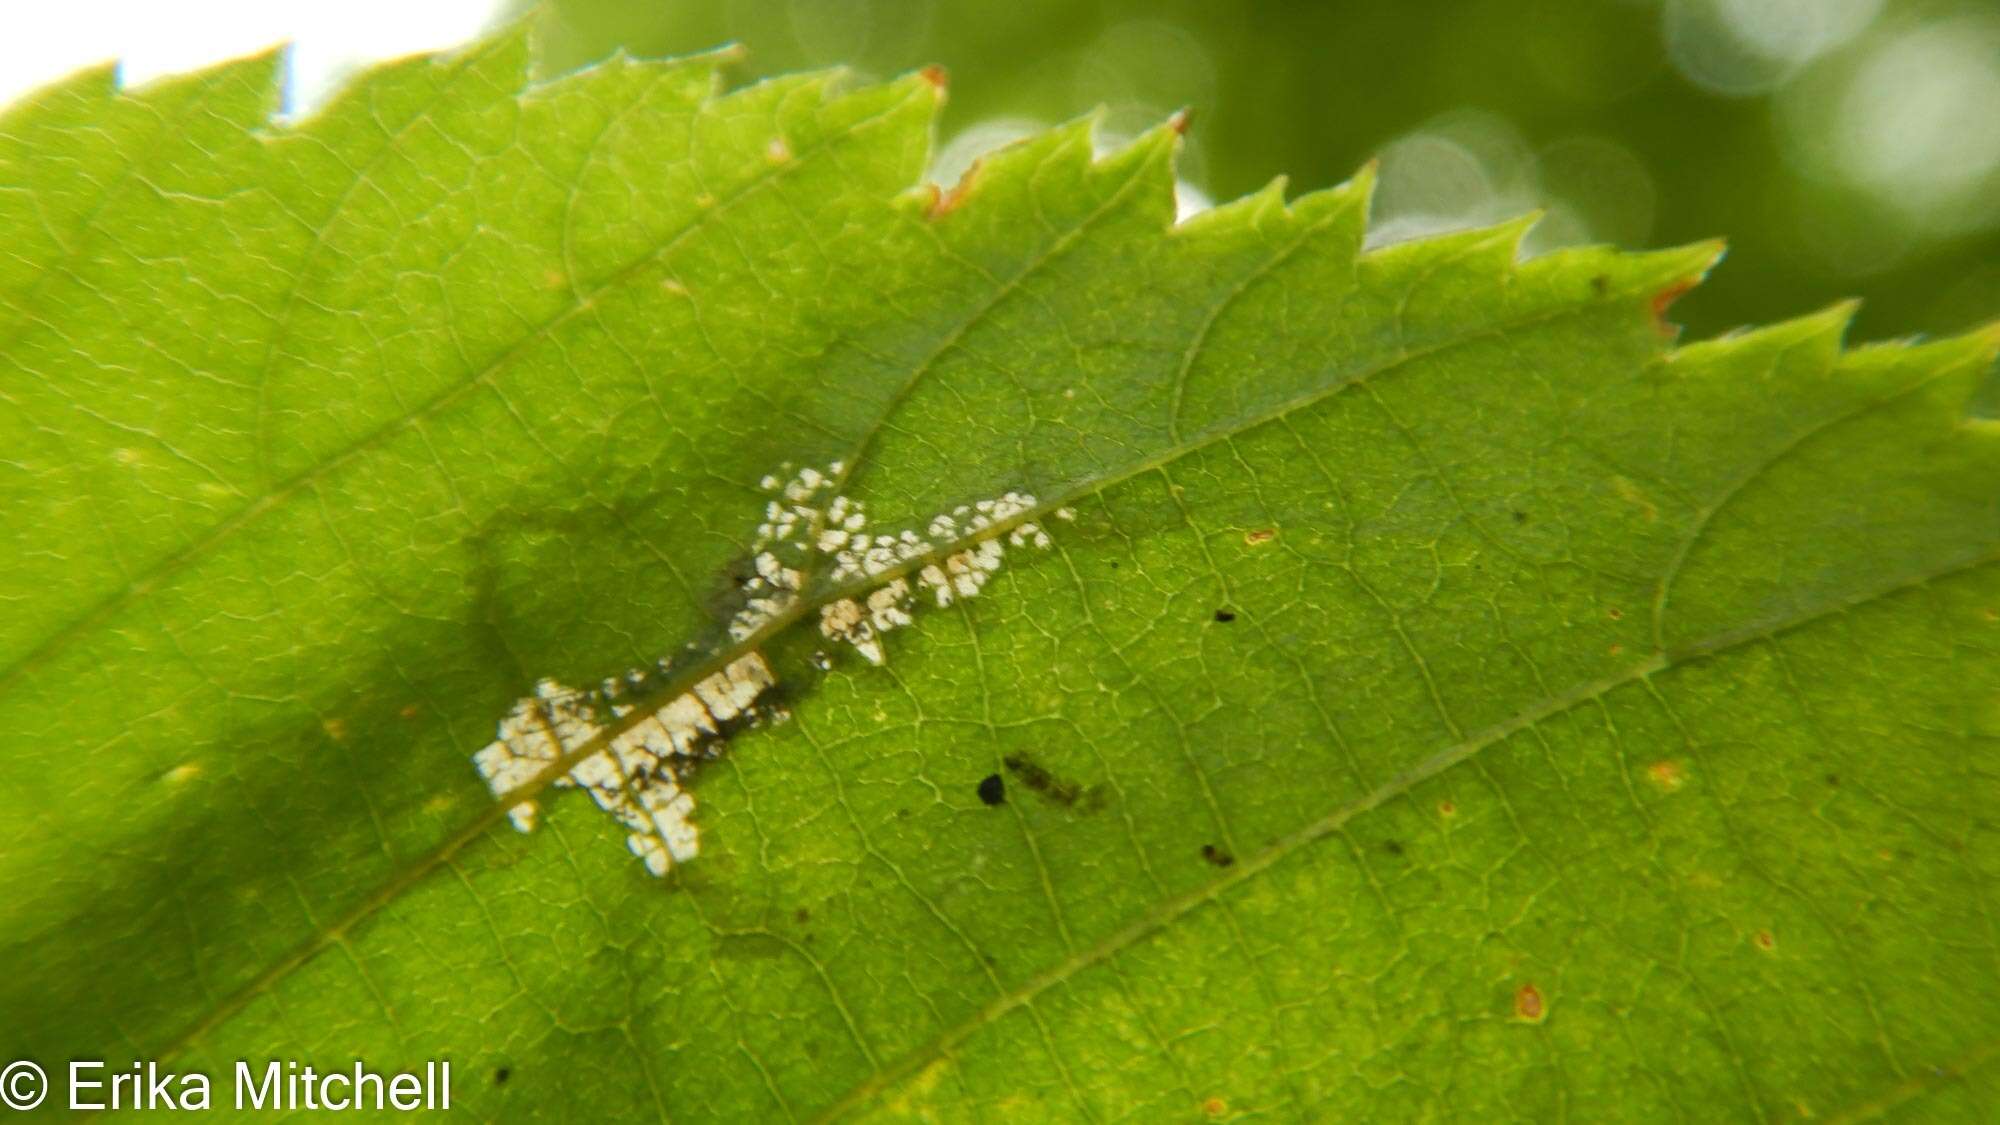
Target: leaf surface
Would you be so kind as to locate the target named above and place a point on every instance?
(1447, 698)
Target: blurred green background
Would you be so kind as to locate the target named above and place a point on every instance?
(1844, 147)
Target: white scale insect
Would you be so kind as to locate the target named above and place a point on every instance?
(636, 777)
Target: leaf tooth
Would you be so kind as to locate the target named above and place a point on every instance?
(1819, 334)
(1510, 234)
(1150, 154)
(92, 85)
(1342, 208)
(1265, 205)
(693, 80)
(244, 92)
(1482, 256)
(1047, 166)
(1354, 196)
(1954, 370)
(1590, 273)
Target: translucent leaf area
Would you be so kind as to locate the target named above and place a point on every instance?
(1383, 685)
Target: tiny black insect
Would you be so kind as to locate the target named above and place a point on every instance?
(1224, 616)
(992, 789)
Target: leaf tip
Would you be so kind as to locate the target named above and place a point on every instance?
(1361, 186)
(1835, 319)
(1709, 253)
(1514, 232)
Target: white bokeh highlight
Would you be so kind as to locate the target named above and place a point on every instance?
(1919, 125)
(41, 42)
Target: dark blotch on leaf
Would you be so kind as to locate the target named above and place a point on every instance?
(1216, 856)
(1224, 616)
(749, 947)
(1520, 517)
(1393, 847)
(501, 1075)
(1044, 784)
(992, 789)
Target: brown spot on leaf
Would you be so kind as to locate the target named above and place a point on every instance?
(1765, 941)
(1616, 650)
(1528, 1005)
(1631, 494)
(1447, 808)
(936, 76)
(748, 947)
(335, 729)
(1615, 614)
(1261, 535)
(1665, 298)
(1180, 121)
(1215, 1107)
(944, 203)
(1668, 774)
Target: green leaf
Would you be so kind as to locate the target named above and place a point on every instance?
(1446, 700)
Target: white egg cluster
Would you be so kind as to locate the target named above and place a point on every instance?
(842, 535)
(636, 777)
(782, 548)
